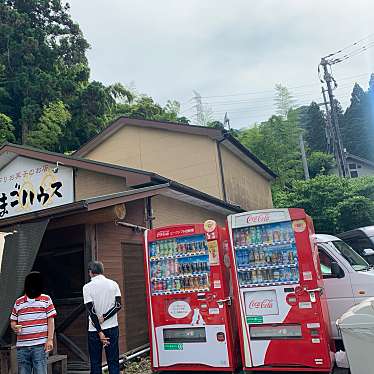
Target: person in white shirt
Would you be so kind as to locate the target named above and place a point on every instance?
(102, 298)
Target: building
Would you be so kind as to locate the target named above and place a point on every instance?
(359, 167)
(208, 159)
(59, 212)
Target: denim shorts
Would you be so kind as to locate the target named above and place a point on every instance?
(32, 358)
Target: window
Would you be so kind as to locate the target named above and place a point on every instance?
(355, 260)
(325, 261)
(352, 166)
(358, 166)
(354, 174)
(359, 244)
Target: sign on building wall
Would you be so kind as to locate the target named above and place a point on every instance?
(28, 185)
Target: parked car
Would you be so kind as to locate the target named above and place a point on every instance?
(362, 241)
(348, 278)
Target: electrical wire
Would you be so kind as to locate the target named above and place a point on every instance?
(349, 46)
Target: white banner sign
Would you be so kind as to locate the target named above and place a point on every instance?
(261, 303)
(28, 185)
(260, 217)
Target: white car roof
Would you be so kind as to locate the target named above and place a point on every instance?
(368, 230)
(323, 238)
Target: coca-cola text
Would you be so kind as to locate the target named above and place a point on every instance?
(261, 304)
(261, 218)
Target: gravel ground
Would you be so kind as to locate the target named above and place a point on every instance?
(143, 367)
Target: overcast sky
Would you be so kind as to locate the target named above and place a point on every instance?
(231, 52)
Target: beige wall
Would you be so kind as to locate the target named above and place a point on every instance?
(188, 159)
(244, 185)
(90, 184)
(168, 211)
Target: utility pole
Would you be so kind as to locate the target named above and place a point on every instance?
(199, 109)
(303, 157)
(336, 135)
(328, 128)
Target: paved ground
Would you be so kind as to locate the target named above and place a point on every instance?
(142, 367)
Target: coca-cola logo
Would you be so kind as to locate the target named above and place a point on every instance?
(162, 234)
(175, 232)
(261, 304)
(261, 218)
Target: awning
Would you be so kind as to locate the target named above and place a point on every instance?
(19, 247)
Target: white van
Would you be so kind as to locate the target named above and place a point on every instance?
(348, 278)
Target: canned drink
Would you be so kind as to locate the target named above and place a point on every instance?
(259, 276)
(193, 267)
(276, 275)
(254, 276)
(294, 274)
(196, 282)
(285, 257)
(264, 275)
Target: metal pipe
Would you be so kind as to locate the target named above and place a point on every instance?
(127, 358)
(131, 226)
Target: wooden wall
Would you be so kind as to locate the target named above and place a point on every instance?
(90, 184)
(63, 261)
(111, 242)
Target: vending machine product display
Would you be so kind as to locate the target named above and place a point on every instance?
(281, 309)
(190, 318)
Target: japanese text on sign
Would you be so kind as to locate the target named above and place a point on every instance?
(28, 185)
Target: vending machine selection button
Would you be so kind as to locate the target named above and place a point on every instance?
(220, 336)
(289, 289)
(291, 299)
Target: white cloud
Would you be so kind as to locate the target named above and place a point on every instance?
(168, 48)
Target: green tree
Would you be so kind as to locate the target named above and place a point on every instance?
(320, 163)
(354, 122)
(42, 52)
(6, 129)
(314, 125)
(216, 125)
(92, 108)
(284, 101)
(144, 107)
(276, 143)
(358, 122)
(335, 204)
(48, 131)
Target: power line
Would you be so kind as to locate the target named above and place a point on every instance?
(294, 88)
(349, 46)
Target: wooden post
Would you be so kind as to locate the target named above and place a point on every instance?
(8, 360)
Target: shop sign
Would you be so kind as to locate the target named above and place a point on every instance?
(261, 218)
(28, 185)
(176, 231)
(261, 303)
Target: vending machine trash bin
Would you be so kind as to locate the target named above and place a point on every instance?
(357, 329)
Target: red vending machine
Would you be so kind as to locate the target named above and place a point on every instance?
(281, 309)
(190, 323)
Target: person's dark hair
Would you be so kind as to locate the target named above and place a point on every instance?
(96, 267)
(33, 285)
